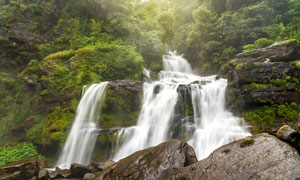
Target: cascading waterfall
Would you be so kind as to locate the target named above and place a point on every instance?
(212, 126)
(81, 140)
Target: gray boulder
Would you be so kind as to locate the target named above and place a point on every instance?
(258, 157)
(157, 162)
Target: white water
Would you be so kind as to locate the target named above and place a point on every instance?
(81, 140)
(213, 125)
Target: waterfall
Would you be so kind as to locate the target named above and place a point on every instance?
(212, 125)
(81, 140)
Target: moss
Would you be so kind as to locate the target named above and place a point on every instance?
(32, 67)
(288, 112)
(148, 156)
(264, 116)
(60, 55)
(247, 143)
(3, 39)
(297, 65)
(261, 116)
(278, 82)
(90, 64)
(51, 129)
(186, 109)
(119, 108)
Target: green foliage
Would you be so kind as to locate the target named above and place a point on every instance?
(52, 128)
(288, 112)
(18, 152)
(9, 89)
(247, 143)
(261, 116)
(260, 43)
(32, 67)
(265, 116)
(119, 108)
(90, 64)
(278, 82)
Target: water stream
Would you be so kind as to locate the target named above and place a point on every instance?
(211, 127)
(81, 140)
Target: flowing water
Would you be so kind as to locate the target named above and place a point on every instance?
(81, 140)
(211, 126)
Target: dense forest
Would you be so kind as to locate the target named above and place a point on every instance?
(50, 49)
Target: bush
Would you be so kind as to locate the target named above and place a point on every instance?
(19, 152)
(260, 43)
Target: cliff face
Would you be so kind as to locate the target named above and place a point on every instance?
(264, 86)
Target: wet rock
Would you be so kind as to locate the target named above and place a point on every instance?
(263, 77)
(89, 176)
(3, 33)
(289, 135)
(106, 164)
(260, 72)
(20, 170)
(285, 132)
(299, 121)
(131, 85)
(157, 162)
(64, 173)
(279, 51)
(258, 157)
(43, 164)
(78, 170)
(156, 89)
(43, 174)
(54, 174)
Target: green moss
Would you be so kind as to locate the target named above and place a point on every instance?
(60, 55)
(264, 116)
(278, 82)
(148, 156)
(247, 143)
(186, 109)
(32, 67)
(3, 38)
(51, 129)
(260, 43)
(94, 63)
(288, 112)
(261, 116)
(119, 108)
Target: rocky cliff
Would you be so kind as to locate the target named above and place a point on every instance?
(264, 86)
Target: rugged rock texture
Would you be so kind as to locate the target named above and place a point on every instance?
(279, 51)
(21, 170)
(157, 162)
(266, 77)
(259, 157)
(289, 135)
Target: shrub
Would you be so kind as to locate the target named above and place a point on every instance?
(19, 152)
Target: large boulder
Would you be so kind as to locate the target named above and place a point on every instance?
(157, 162)
(258, 157)
(21, 170)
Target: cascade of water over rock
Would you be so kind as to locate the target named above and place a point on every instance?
(81, 140)
(211, 126)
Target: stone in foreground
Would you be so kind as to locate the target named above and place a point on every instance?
(258, 157)
(157, 162)
(20, 170)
